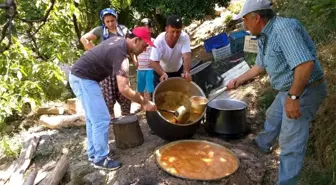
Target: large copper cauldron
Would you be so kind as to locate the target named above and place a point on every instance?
(162, 126)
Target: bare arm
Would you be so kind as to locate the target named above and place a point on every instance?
(249, 75)
(87, 38)
(302, 73)
(157, 67)
(301, 77)
(134, 60)
(125, 89)
(186, 62)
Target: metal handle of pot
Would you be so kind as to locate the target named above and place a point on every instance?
(223, 90)
(169, 111)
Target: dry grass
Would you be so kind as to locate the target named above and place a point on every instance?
(324, 129)
(320, 164)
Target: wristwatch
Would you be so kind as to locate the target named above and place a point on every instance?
(293, 97)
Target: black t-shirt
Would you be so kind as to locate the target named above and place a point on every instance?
(102, 60)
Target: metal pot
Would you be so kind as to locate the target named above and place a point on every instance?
(205, 76)
(196, 63)
(163, 127)
(227, 117)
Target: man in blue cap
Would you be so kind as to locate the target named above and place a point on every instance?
(287, 54)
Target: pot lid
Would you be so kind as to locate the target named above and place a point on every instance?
(194, 63)
(200, 68)
(197, 160)
(227, 104)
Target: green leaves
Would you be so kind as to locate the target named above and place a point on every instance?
(318, 17)
(188, 9)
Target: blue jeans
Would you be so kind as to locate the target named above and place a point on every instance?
(293, 133)
(97, 115)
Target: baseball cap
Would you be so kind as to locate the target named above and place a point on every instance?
(174, 21)
(253, 5)
(143, 33)
(147, 21)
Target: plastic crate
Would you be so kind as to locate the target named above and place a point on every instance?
(237, 40)
(251, 44)
(221, 53)
(216, 42)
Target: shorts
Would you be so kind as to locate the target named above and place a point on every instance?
(145, 80)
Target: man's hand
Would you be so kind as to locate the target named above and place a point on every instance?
(233, 84)
(186, 75)
(149, 106)
(164, 77)
(292, 108)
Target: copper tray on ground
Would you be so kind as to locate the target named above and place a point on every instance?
(197, 160)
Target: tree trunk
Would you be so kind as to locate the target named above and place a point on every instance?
(127, 132)
(55, 122)
(30, 178)
(18, 168)
(51, 110)
(56, 176)
(43, 172)
(74, 106)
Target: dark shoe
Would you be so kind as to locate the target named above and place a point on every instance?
(91, 159)
(112, 153)
(107, 164)
(263, 150)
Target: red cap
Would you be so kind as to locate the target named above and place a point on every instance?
(144, 33)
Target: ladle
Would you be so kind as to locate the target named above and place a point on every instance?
(181, 114)
(198, 103)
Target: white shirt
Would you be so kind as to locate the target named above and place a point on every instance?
(143, 59)
(170, 58)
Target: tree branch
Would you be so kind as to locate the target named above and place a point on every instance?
(77, 30)
(4, 6)
(4, 31)
(35, 47)
(74, 20)
(7, 29)
(7, 4)
(42, 19)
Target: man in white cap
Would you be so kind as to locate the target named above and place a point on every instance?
(287, 54)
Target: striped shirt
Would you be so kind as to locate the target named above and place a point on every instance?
(143, 59)
(282, 45)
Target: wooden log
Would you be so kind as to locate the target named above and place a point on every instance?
(51, 110)
(30, 178)
(55, 122)
(57, 174)
(74, 106)
(127, 132)
(18, 168)
(43, 172)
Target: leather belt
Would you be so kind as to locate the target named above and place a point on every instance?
(316, 82)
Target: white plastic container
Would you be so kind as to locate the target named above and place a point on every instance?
(221, 53)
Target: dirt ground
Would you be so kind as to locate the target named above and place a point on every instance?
(139, 164)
